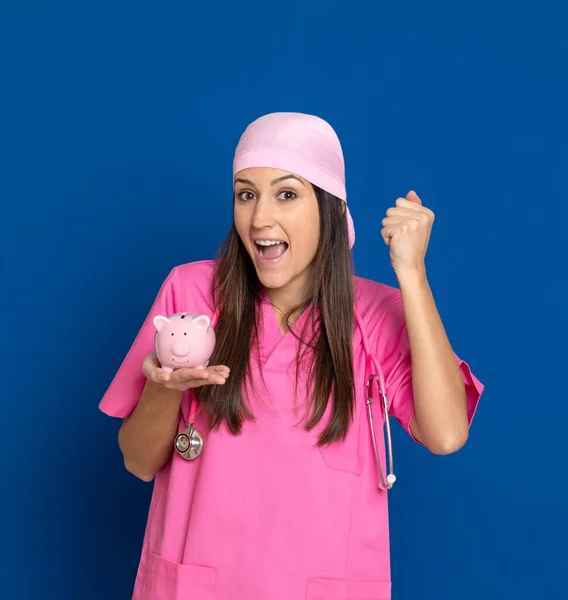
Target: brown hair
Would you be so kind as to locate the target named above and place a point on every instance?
(329, 300)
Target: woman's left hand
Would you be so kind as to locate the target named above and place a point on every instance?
(406, 230)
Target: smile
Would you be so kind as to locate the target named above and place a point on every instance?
(270, 251)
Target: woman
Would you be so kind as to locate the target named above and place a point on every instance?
(284, 501)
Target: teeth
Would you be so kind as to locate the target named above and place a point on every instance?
(264, 243)
(269, 242)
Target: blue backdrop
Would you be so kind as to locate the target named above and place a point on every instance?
(120, 120)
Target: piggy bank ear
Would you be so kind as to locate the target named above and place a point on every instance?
(202, 322)
(160, 321)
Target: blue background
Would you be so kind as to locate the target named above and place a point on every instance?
(119, 124)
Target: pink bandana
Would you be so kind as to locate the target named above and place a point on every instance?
(302, 144)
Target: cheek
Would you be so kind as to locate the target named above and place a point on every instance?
(314, 239)
(315, 229)
(309, 235)
(240, 223)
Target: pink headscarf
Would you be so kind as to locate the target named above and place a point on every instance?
(302, 144)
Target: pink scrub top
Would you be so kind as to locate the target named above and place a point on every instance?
(268, 515)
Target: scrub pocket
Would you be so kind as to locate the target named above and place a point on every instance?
(347, 455)
(165, 580)
(329, 589)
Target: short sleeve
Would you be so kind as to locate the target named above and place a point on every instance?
(125, 390)
(396, 360)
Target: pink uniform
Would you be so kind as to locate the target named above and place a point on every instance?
(268, 515)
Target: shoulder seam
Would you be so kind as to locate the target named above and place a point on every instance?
(383, 315)
(386, 311)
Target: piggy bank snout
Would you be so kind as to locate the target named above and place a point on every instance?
(180, 348)
(184, 340)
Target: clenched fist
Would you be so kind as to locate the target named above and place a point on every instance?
(406, 230)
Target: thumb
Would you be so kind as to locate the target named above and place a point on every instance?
(413, 197)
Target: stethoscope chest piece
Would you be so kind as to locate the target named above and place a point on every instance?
(189, 443)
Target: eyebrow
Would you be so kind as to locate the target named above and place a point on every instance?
(273, 182)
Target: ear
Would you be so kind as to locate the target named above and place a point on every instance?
(202, 322)
(342, 202)
(160, 321)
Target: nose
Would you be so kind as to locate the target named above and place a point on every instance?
(263, 216)
(180, 348)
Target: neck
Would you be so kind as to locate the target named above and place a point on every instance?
(285, 299)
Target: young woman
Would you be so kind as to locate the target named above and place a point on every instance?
(286, 500)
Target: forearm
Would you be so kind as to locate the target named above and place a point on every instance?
(440, 421)
(146, 436)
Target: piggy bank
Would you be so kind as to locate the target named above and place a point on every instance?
(183, 340)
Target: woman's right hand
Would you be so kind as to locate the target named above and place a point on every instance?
(183, 379)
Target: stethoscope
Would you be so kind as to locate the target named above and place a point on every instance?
(384, 484)
(189, 443)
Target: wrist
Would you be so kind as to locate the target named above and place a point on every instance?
(160, 393)
(411, 276)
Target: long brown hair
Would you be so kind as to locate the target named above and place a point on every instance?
(328, 351)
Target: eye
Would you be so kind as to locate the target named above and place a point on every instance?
(287, 195)
(245, 196)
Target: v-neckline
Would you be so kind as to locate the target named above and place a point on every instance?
(272, 336)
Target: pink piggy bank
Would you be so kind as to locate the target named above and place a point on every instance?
(183, 340)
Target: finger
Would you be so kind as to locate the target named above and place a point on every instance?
(393, 220)
(185, 374)
(216, 380)
(150, 362)
(401, 211)
(154, 373)
(392, 230)
(222, 369)
(415, 205)
(218, 376)
(420, 214)
(195, 383)
(386, 237)
(158, 376)
(162, 376)
(153, 357)
(410, 204)
(412, 196)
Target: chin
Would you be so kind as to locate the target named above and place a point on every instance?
(273, 281)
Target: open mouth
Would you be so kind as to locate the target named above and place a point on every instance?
(270, 250)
